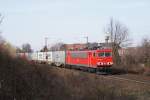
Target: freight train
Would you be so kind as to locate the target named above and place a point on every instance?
(88, 59)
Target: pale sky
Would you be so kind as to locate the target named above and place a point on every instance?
(69, 21)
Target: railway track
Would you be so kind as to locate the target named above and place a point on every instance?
(123, 77)
(146, 83)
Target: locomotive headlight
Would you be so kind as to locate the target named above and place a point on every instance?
(100, 63)
(109, 63)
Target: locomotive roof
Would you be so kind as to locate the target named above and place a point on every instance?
(99, 50)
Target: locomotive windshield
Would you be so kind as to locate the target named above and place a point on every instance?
(104, 54)
(107, 54)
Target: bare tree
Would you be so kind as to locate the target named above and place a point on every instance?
(18, 50)
(44, 49)
(58, 46)
(145, 48)
(118, 34)
(26, 47)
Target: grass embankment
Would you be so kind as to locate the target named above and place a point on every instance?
(20, 80)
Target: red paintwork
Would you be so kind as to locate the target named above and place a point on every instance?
(90, 60)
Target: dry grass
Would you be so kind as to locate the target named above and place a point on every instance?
(20, 80)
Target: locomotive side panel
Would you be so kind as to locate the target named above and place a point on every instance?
(79, 58)
(91, 58)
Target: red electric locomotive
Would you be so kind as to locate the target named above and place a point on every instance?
(90, 58)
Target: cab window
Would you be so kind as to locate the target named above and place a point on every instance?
(107, 54)
(101, 54)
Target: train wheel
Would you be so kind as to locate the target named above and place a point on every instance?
(109, 70)
(101, 71)
(85, 69)
(91, 70)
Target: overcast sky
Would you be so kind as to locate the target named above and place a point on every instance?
(69, 21)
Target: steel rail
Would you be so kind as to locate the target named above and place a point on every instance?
(126, 79)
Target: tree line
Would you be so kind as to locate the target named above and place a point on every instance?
(119, 37)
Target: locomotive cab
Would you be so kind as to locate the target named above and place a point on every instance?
(104, 58)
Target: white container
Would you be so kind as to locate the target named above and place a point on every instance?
(58, 57)
(45, 57)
